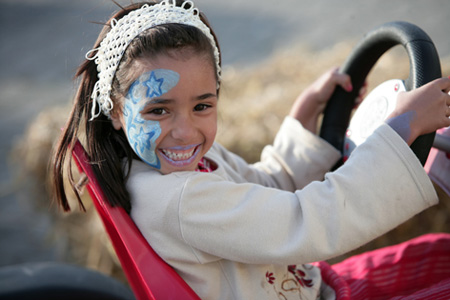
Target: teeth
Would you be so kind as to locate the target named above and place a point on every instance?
(178, 156)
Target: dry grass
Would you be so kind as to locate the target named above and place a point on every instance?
(253, 104)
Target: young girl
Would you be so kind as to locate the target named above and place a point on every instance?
(148, 102)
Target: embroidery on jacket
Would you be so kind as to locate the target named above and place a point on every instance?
(290, 285)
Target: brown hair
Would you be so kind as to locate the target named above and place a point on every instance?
(106, 146)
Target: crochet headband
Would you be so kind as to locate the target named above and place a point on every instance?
(113, 46)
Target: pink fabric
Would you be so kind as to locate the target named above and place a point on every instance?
(205, 166)
(417, 269)
(331, 278)
(438, 165)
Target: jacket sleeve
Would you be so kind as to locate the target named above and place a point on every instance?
(296, 158)
(379, 187)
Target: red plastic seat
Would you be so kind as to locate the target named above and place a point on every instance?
(149, 276)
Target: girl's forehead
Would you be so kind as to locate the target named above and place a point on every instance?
(158, 75)
(153, 83)
(174, 59)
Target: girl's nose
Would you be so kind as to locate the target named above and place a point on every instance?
(183, 129)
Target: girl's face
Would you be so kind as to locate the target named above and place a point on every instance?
(170, 112)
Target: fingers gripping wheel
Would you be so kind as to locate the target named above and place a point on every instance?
(424, 67)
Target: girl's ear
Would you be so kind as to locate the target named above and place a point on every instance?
(116, 120)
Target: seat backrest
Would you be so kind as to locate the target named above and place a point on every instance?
(148, 275)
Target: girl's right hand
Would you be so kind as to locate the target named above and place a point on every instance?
(311, 103)
(422, 110)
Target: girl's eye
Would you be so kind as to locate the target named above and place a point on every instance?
(201, 107)
(157, 111)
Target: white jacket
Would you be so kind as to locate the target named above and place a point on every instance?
(232, 233)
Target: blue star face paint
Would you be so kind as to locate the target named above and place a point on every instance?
(142, 134)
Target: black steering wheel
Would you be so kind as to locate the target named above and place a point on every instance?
(424, 67)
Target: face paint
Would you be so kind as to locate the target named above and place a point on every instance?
(141, 133)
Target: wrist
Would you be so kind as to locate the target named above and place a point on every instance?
(307, 118)
(307, 112)
(310, 124)
(403, 124)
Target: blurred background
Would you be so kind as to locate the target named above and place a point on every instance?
(270, 52)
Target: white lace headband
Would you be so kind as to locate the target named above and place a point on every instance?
(122, 32)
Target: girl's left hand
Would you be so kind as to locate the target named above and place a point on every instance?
(312, 102)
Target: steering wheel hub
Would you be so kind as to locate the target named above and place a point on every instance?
(372, 112)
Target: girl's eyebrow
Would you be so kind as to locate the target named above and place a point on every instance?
(206, 96)
(158, 101)
(166, 101)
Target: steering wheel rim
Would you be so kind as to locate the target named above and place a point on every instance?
(424, 67)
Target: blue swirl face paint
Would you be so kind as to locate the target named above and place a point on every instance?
(142, 134)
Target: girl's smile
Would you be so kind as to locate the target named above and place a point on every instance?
(180, 156)
(170, 112)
